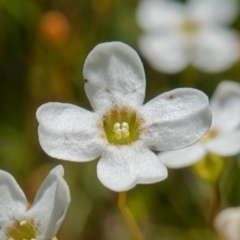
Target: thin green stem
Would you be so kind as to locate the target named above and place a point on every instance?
(216, 200)
(128, 216)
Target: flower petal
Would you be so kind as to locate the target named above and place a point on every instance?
(114, 75)
(175, 119)
(227, 223)
(216, 50)
(225, 144)
(50, 204)
(13, 202)
(213, 11)
(183, 157)
(225, 106)
(69, 132)
(121, 168)
(159, 14)
(165, 52)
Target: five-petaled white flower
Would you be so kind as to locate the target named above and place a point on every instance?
(43, 219)
(120, 130)
(177, 34)
(227, 224)
(223, 138)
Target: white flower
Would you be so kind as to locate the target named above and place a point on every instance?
(227, 224)
(43, 219)
(223, 138)
(178, 34)
(120, 130)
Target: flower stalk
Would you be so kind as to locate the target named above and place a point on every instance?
(216, 201)
(128, 216)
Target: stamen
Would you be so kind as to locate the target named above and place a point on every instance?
(116, 126)
(23, 222)
(125, 125)
(121, 130)
(118, 134)
(125, 133)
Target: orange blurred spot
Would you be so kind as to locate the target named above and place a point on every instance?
(54, 27)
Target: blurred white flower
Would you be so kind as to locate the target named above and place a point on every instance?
(196, 33)
(43, 219)
(227, 224)
(121, 130)
(223, 138)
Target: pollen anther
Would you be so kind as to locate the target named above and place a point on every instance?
(125, 125)
(121, 130)
(23, 222)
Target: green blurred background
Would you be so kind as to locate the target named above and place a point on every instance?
(43, 45)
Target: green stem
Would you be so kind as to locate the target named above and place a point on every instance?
(128, 216)
(216, 200)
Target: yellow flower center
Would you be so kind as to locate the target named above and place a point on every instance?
(22, 230)
(122, 126)
(189, 27)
